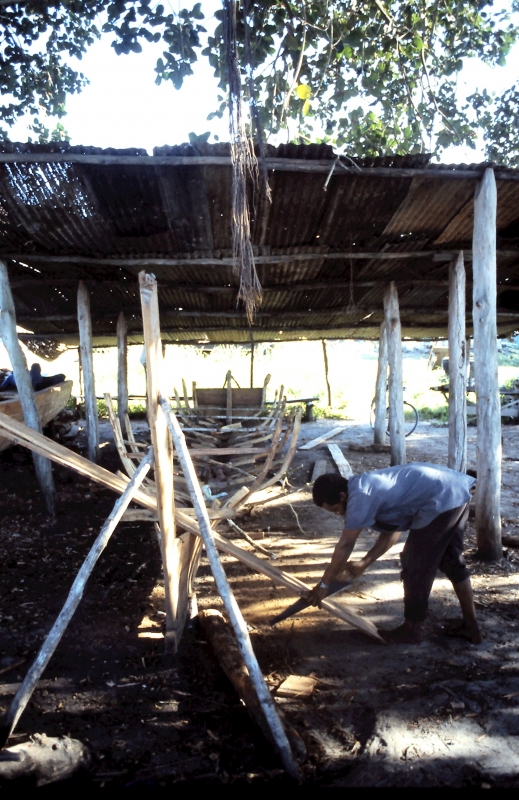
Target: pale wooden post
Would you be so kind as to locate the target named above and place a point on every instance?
(122, 369)
(42, 465)
(488, 491)
(228, 383)
(396, 387)
(251, 360)
(325, 357)
(161, 441)
(380, 427)
(457, 452)
(87, 364)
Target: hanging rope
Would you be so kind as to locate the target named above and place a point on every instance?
(243, 163)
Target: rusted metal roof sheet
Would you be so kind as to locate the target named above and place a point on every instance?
(318, 245)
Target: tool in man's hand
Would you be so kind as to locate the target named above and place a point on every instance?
(302, 603)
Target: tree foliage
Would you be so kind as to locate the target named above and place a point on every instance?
(377, 76)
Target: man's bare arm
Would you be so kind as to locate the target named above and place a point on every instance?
(384, 542)
(341, 554)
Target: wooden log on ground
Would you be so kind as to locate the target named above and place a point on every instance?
(458, 359)
(87, 365)
(20, 434)
(341, 463)
(488, 489)
(9, 335)
(219, 635)
(225, 591)
(325, 358)
(323, 438)
(122, 369)
(380, 427)
(163, 471)
(396, 386)
(54, 636)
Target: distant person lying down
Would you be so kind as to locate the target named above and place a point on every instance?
(38, 380)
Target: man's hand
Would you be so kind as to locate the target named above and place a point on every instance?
(356, 568)
(317, 594)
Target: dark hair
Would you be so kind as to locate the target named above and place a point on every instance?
(327, 489)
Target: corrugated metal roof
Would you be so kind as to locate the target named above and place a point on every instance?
(103, 222)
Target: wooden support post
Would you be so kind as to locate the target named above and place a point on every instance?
(122, 369)
(160, 438)
(380, 428)
(9, 335)
(87, 365)
(228, 382)
(251, 360)
(396, 387)
(325, 357)
(457, 453)
(488, 491)
(225, 591)
(53, 638)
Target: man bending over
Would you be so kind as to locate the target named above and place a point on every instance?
(430, 501)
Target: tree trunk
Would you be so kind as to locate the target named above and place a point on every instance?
(458, 359)
(87, 365)
(488, 491)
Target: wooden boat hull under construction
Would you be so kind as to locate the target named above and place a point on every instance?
(49, 403)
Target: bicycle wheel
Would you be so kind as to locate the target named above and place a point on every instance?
(410, 419)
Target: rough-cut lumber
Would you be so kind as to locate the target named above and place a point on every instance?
(228, 451)
(380, 427)
(53, 638)
(219, 635)
(321, 467)
(66, 458)
(238, 623)
(341, 463)
(488, 490)
(163, 460)
(458, 360)
(396, 386)
(122, 369)
(323, 438)
(87, 365)
(9, 335)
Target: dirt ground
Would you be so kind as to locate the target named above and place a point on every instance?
(442, 713)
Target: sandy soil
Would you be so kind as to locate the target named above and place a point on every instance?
(440, 713)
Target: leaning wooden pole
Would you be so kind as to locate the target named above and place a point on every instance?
(396, 385)
(225, 591)
(488, 491)
(122, 369)
(55, 634)
(9, 335)
(380, 427)
(87, 365)
(458, 359)
(161, 441)
(326, 375)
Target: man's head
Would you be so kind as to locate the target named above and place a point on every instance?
(330, 491)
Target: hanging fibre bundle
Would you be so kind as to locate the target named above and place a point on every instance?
(243, 162)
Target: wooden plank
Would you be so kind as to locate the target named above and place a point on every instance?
(380, 426)
(122, 369)
(321, 467)
(9, 334)
(323, 438)
(229, 451)
(396, 385)
(87, 365)
(163, 461)
(118, 483)
(458, 357)
(341, 463)
(488, 489)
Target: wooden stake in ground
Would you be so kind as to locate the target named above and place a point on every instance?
(9, 335)
(488, 490)
(235, 615)
(122, 369)
(325, 358)
(87, 365)
(163, 458)
(53, 638)
(458, 359)
(396, 386)
(380, 427)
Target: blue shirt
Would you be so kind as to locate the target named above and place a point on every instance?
(404, 497)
